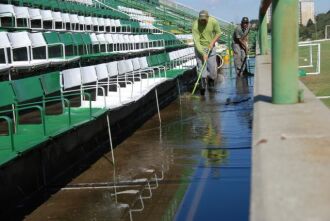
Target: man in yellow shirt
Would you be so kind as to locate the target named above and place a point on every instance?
(206, 32)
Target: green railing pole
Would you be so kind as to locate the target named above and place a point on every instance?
(229, 50)
(263, 36)
(285, 51)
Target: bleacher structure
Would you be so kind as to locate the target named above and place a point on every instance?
(65, 63)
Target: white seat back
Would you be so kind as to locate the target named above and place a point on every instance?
(71, 78)
(108, 38)
(101, 71)
(101, 39)
(88, 21)
(7, 10)
(74, 18)
(136, 64)
(34, 13)
(4, 40)
(66, 18)
(107, 22)
(143, 62)
(100, 21)
(19, 39)
(81, 20)
(22, 12)
(94, 38)
(37, 39)
(95, 21)
(113, 68)
(46, 15)
(57, 16)
(88, 74)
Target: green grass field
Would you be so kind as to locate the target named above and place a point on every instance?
(318, 84)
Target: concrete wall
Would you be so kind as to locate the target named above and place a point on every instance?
(291, 155)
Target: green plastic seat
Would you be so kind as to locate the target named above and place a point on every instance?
(61, 44)
(20, 137)
(51, 85)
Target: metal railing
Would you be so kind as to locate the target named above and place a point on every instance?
(284, 48)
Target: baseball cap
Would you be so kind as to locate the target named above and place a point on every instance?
(245, 20)
(203, 15)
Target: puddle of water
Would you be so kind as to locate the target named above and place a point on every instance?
(202, 149)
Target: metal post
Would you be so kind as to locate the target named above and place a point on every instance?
(230, 49)
(326, 31)
(263, 37)
(285, 52)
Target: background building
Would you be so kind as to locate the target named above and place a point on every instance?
(306, 12)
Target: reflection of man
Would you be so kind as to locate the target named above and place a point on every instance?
(240, 46)
(242, 86)
(206, 32)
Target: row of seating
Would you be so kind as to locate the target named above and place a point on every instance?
(38, 19)
(87, 2)
(96, 10)
(79, 94)
(136, 14)
(23, 50)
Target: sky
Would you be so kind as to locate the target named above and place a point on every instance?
(234, 10)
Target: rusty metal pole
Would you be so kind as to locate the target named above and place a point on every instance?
(285, 51)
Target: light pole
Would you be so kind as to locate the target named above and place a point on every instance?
(326, 31)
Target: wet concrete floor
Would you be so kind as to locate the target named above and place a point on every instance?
(200, 157)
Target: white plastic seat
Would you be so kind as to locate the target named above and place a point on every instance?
(146, 41)
(137, 67)
(118, 25)
(141, 87)
(116, 43)
(82, 23)
(122, 43)
(38, 41)
(138, 43)
(130, 44)
(95, 24)
(110, 42)
(89, 24)
(107, 25)
(128, 90)
(7, 11)
(5, 63)
(122, 95)
(66, 21)
(95, 43)
(144, 44)
(102, 42)
(35, 18)
(57, 20)
(47, 19)
(74, 22)
(21, 51)
(22, 17)
(101, 24)
(72, 83)
(113, 26)
(133, 43)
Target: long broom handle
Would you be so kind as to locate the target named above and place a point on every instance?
(200, 75)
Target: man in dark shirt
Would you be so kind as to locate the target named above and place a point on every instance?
(240, 46)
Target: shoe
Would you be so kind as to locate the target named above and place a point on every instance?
(247, 73)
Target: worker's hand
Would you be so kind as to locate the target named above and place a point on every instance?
(205, 57)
